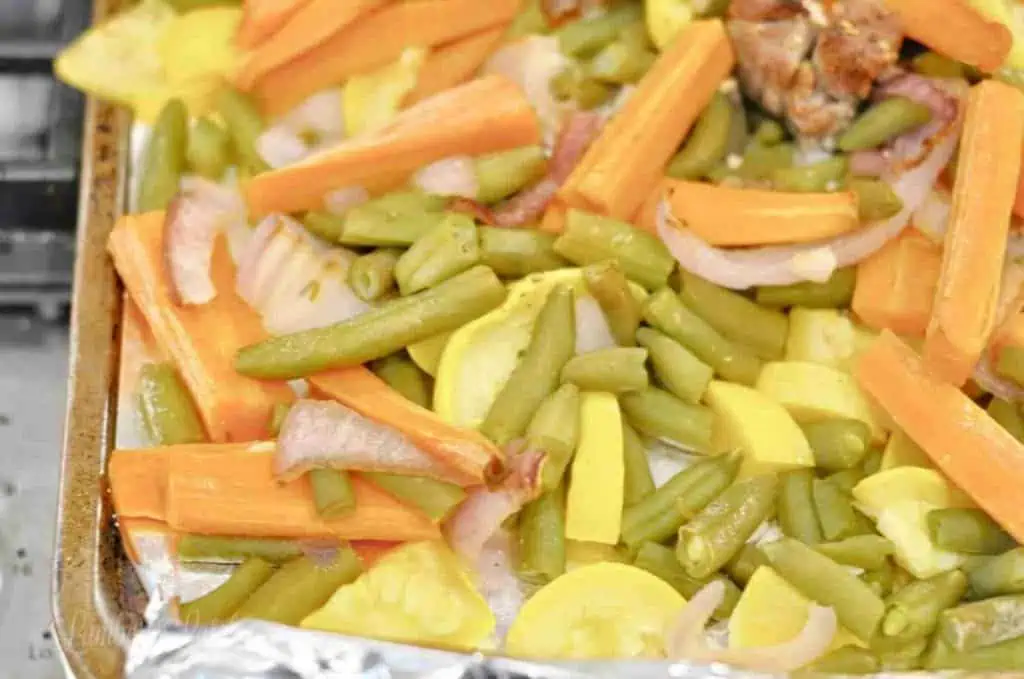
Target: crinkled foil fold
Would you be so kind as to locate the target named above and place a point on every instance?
(252, 650)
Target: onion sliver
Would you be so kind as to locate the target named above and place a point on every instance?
(455, 176)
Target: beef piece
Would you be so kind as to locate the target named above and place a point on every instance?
(768, 55)
(861, 41)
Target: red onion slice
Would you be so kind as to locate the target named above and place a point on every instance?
(281, 146)
(322, 114)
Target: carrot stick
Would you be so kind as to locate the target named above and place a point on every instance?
(314, 23)
(972, 263)
(725, 216)
(375, 40)
(487, 114)
(262, 18)
(230, 489)
(955, 29)
(201, 340)
(646, 217)
(896, 285)
(465, 450)
(553, 220)
(628, 159)
(454, 63)
(972, 449)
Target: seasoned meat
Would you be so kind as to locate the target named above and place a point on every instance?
(764, 10)
(768, 55)
(812, 112)
(861, 41)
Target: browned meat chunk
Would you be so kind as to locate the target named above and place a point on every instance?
(768, 55)
(764, 10)
(861, 41)
(813, 113)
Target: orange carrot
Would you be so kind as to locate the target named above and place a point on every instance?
(896, 285)
(488, 114)
(201, 340)
(262, 18)
(973, 450)
(554, 218)
(371, 551)
(465, 450)
(646, 217)
(230, 489)
(454, 63)
(314, 23)
(955, 29)
(725, 216)
(964, 314)
(374, 41)
(627, 160)
(1018, 201)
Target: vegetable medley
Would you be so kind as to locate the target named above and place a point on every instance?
(705, 316)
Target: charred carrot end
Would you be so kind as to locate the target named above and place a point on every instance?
(955, 29)
(262, 18)
(454, 63)
(465, 450)
(376, 39)
(895, 287)
(972, 449)
(487, 114)
(725, 216)
(305, 29)
(200, 340)
(975, 248)
(628, 159)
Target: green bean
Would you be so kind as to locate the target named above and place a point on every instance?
(531, 19)
(660, 561)
(588, 239)
(396, 219)
(1010, 364)
(872, 462)
(899, 655)
(759, 162)
(1008, 417)
(1004, 574)
(843, 660)
(218, 605)
(515, 253)
(277, 418)
(617, 370)
(679, 371)
(935, 65)
(838, 444)
(222, 549)
(244, 125)
(436, 499)
(372, 276)
(376, 333)
(608, 285)
(535, 377)
(883, 122)
(967, 530)
(168, 414)
(869, 552)
(875, 199)
(300, 587)
(324, 225)
(881, 581)
(835, 293)
(405, 377)
(163, 161)
(658, 516)
(208, 149)
(735, 363)
(707, 144)
(555, 430)
(1006, 655)
(769, 132)
(447, 250)
(620, 63)
(741, 567)
(973, 562)
(913, 612)
(846, 479)
(836, 514)
(636, 35)
(658, 414)
(584, 37)
(573, 84)
(542, 537)
(797, 514)
(825, 175)
(332, 492)
(503, 173)
(736, 317)
(714, 536)
(638, 482)
(982, 623)
(830, 584)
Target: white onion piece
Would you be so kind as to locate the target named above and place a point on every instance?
(592, 329)
(321, 114)
(932, 217)
(455, 176)
(986, 378)
(686, 639)
(774, 265)
(326, 433)
(281, 146)
(340, 201)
